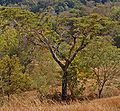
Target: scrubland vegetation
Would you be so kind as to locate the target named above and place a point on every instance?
(59, 55)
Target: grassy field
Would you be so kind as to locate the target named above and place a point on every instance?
(32, 103)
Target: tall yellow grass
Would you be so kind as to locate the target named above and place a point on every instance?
(32, 103)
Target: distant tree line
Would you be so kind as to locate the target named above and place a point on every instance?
(56, 5)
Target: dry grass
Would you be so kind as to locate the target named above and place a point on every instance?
(111, 104)
(30, 102)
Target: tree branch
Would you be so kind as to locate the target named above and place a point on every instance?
(82, 46)
(51, 50)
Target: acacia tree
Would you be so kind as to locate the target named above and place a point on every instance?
(66, 37)
(63, 37)
(103, 60)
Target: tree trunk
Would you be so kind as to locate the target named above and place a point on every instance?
(64, 85)
(99, 93)
(101, 89)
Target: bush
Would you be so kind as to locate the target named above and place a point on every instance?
(12, 79)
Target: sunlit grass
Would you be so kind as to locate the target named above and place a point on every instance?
(30, 102)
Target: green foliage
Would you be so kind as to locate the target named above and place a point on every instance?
(11, 35)
(103, 60)
(8, 40)
(116, 13)
(77, 79)
(43, 71)
(86, 27)
(14, 15)
(12, 80)
(101, 52)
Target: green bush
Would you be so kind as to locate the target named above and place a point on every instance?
(12, 79)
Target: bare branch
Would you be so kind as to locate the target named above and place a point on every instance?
(82, 46)
(51, 50)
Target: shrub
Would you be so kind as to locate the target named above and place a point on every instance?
(12, 79)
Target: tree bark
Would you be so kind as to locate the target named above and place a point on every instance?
(64, 85)
(100, 93)
(101, 90)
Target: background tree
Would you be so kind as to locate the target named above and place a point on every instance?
(43, 71)
(12, 41)
(103, 60)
